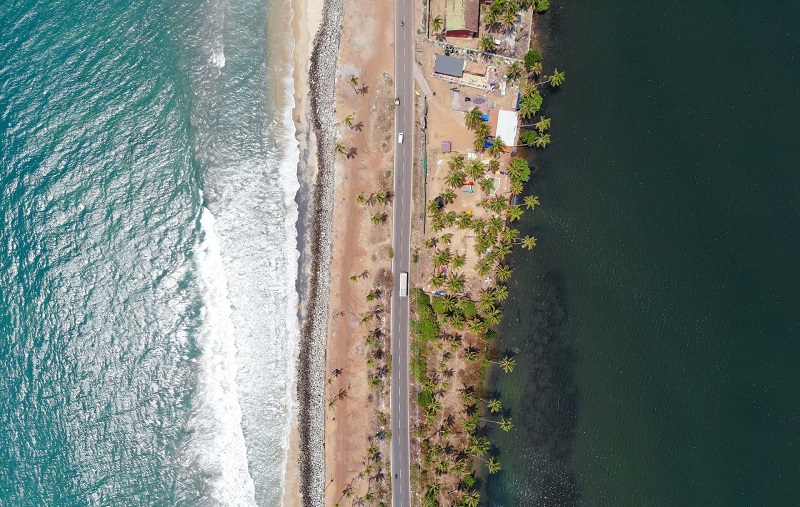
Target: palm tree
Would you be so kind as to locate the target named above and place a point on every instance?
(518, 169)
(475, 169)
(479, 143)
(482, 130)
(354, 82)
(496, 147)
(500, 251)
(447, 238)
(529, 90)
(543, 124)
(471, 499)
(507, 364)
(530, 105)
(471, 354)
(348, 120)
(557, 79)
(341, 395)
(509, 19)
(493, 316)
(492, 17)
(459, 261)
(455, 179)
(437, 23)
(476, 326)
(340, 148)
(514, 71)
(379, 218)
(500, 293)
(505, 424)
(509, 235)
(536, 68)
(516, 187)
(456, 162)
(531, 201)
(464, 221)
(486, 44)
(494, 225)
(542, 141)
(497, 203)
(441, 257)
(487, 185)
(448, 196)
(478, 446)
(493, 465)
(528, 137)
(456, 283)
(528, 242)
(494, 405)
(473, 118)
(514, 213)
(503, 272)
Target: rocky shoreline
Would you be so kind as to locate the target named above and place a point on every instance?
(311, 357)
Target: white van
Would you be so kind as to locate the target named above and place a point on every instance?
(400, 138)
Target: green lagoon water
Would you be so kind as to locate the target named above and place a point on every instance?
(657, 324)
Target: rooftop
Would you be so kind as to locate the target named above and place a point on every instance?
(449, 66)
(462, 15)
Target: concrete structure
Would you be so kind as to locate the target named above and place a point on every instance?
(462, 18)
(449, 66)
(504, 124)
(475, 68)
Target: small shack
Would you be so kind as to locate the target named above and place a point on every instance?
(504, 125)
(446, 146)
(449, 66)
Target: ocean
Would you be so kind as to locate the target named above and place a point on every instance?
(656, 325)
(148, 310)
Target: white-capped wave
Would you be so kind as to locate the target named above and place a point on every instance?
(216, 448)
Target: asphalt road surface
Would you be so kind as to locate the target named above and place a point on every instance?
(401, 243)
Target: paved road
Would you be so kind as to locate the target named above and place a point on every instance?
(401, 243)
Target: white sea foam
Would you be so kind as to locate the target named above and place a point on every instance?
(217, 446)
(245, 141)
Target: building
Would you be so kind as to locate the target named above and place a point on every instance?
(462, 18)
(504, 124)
(449, 66)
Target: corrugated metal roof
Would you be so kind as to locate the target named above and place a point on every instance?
(449, 66)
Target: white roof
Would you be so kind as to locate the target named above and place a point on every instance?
(507, 127)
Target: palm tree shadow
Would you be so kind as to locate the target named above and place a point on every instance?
(363, 90)
(358, 126)
(352, 152)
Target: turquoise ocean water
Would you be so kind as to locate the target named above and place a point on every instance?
(656, 326)
(147, 252)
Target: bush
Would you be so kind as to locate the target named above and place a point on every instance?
(425, 398)
(542, 5)
(438, 305)
(427, 327)
(532, 57)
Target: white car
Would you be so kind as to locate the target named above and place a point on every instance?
(400, 138)
(397, 101)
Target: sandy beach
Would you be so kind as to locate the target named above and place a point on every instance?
(337, 239)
